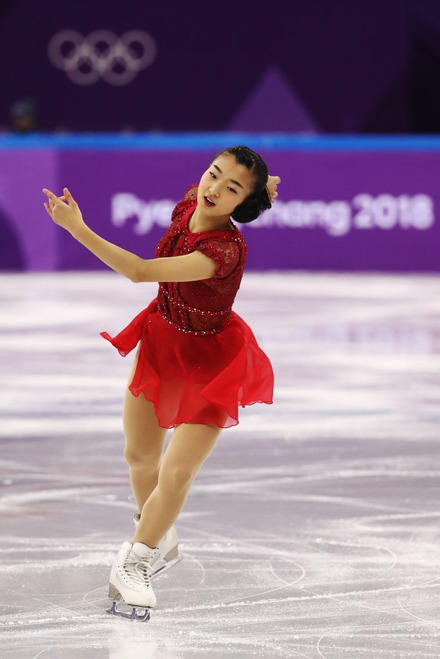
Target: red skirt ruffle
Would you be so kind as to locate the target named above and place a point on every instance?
(195, 379)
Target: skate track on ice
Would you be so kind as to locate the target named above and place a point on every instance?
(311, 532)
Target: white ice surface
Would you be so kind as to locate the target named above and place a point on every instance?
(312, 530)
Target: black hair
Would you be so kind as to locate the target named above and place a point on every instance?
(258, 201)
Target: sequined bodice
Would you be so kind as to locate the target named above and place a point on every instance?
(201, 307)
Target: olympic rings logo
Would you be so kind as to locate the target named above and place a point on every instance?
(102, 55)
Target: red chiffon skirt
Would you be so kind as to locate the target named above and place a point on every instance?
(195, 379)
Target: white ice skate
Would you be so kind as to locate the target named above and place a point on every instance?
(168, 550)
(130, 580)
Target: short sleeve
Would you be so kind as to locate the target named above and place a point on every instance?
(190, 197)
(224, 253)
(191, 193)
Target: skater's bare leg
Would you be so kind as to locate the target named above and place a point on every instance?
(189, 447)
(144, 442)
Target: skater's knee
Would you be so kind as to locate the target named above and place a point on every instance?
(176, 480)
(131, 455)
(141, 457)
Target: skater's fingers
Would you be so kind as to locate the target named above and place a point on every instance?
(68, 197)
(51, 196)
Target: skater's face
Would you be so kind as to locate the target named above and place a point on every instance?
(224, 186)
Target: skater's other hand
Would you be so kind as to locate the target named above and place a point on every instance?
(64, 210)
(271, 187)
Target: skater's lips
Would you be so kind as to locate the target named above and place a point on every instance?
(208, 201)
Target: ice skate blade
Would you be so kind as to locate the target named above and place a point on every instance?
(165, 566)
(172, 554)
(141, 617)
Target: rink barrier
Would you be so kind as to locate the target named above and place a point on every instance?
(346, 203)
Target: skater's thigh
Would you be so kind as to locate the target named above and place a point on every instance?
(190, 445)
(144, 437)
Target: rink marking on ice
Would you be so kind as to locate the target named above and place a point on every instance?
(81, 560)
(424, 620)
(58, 606)
(200, 564)
(318, 648)
(92, 602)
(259, 550)
(286, 554)
(365, 521)
(244, 598)
(432, 581)
(282, 475)
(359, 636)
(415, 541)
(83, 494)
(49, 475)
(289, 583)
(305, 598)
(356, 545)
(46, 495)
(366, 635)
(255, 544)
(43, 651)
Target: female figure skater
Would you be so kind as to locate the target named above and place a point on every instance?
(197, 360)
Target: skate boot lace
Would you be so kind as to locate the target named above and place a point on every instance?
(138, 569)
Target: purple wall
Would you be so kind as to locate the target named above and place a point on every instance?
(319, 66)
(342, 209)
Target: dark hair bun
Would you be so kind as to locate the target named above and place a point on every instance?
(251, 208)
(258, 201)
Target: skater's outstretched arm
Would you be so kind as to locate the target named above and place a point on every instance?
(65, 212)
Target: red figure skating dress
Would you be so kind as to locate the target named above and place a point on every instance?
(198, 359)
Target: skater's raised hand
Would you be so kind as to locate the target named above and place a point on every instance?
(64, 211)
(271, 187)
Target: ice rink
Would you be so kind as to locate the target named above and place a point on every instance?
(313, 529)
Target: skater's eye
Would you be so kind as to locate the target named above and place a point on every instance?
(212, 175)
(232, 190)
